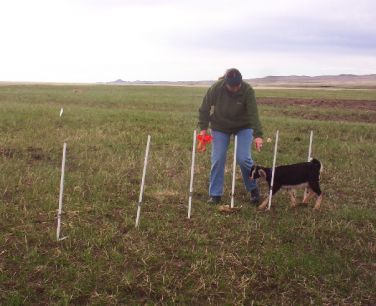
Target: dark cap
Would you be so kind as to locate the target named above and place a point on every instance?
(233, 77)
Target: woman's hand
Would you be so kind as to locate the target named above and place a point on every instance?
(258, 143)
(201, 146)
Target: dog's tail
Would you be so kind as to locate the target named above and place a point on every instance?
(317, 163)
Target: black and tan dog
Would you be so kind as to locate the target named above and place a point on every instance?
(293, 176)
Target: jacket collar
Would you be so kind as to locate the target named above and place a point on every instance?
(239, 93)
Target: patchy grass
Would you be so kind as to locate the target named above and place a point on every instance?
(285, 256)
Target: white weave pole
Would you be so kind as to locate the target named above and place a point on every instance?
(310, 147)
(273, 170)
(234, 171)
(142, 182)
(192, 173)
(309, 159)
(59, 212)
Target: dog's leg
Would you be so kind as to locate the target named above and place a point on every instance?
(263, 205)
(308, 195)
(315, 186)
(318, 202)
(292, 196)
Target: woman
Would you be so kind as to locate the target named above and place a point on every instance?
(230, 108)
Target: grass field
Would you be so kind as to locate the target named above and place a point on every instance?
(284, 256)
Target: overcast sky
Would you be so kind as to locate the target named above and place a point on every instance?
(104, 40)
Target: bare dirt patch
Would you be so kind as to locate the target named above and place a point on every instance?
(366, 109)
(7, 152)
(347, 104)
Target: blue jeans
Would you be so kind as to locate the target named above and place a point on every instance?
(218, 160)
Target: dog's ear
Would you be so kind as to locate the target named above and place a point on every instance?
(262, 173)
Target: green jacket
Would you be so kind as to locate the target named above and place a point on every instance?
(230, 112)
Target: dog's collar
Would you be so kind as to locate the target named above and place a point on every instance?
(268, 172)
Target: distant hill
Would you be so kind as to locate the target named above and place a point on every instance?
(177, 83)
(119, 81)
(342, 80)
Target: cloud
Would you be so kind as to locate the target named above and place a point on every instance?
(93, 40)
(318, 27)
(294, 36)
